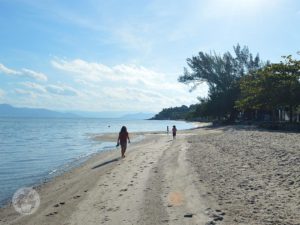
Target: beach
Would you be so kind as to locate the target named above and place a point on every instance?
(227, 175)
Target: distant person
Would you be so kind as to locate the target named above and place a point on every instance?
(174, 130)
(167, 129)
(122, 140)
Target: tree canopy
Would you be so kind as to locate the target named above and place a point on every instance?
(275, 86)
(222, 74)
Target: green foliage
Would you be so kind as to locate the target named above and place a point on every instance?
(275, 86)
(222, 74)
(175, 113)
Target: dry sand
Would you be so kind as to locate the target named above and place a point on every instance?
(205, 176)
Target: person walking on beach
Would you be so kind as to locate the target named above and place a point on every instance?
(122, 140)
(174, 130)
(168, 130)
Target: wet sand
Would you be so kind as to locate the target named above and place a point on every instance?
(206, 176)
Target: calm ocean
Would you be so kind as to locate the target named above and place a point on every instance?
(32, 150)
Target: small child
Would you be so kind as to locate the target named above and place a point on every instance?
(174, 130)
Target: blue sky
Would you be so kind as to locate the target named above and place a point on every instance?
(126, 55)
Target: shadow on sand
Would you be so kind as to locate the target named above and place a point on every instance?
(107, 162)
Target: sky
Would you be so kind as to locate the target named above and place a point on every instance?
(125, 55)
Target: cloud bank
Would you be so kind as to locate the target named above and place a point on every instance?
(94, 86)
(124, 86)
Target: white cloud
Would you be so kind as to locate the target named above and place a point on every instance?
(86, 71)
(57, 89)
(30, 93)
(34, 74)
(130, 74)
(24, 73)
(5, 70)
(34, 86)
(62, 90)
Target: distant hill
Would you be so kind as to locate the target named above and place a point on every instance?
(7, 110)
(138, 116)
(176, 113)
(11, 111)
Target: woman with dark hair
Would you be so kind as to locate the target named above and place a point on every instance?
(122, 140)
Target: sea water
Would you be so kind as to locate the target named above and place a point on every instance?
(35, 149)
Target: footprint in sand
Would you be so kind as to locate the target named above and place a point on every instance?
(77, 196)
(59, 204)
(217, 215)
(52, 214)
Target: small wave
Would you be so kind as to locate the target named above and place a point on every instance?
(53, 171)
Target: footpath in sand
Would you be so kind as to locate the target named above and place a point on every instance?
(205, 176)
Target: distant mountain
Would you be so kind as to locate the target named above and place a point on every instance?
(138, 116)
(105, 114)
(11, 111)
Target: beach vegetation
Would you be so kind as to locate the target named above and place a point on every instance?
(222, 74)
(275, 88)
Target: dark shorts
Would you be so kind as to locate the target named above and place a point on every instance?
(174, 134)
(123, 144)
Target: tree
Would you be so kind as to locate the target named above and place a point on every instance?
(222, 74)
(274, 87)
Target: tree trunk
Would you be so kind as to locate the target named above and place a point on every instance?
(232, 116)
(273, 115)
(291, 113)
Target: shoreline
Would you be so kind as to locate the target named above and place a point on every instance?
(135, 137)
(77, 163)
(103, 160)
(53, 152)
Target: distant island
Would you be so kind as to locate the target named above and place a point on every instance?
(7, 110)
